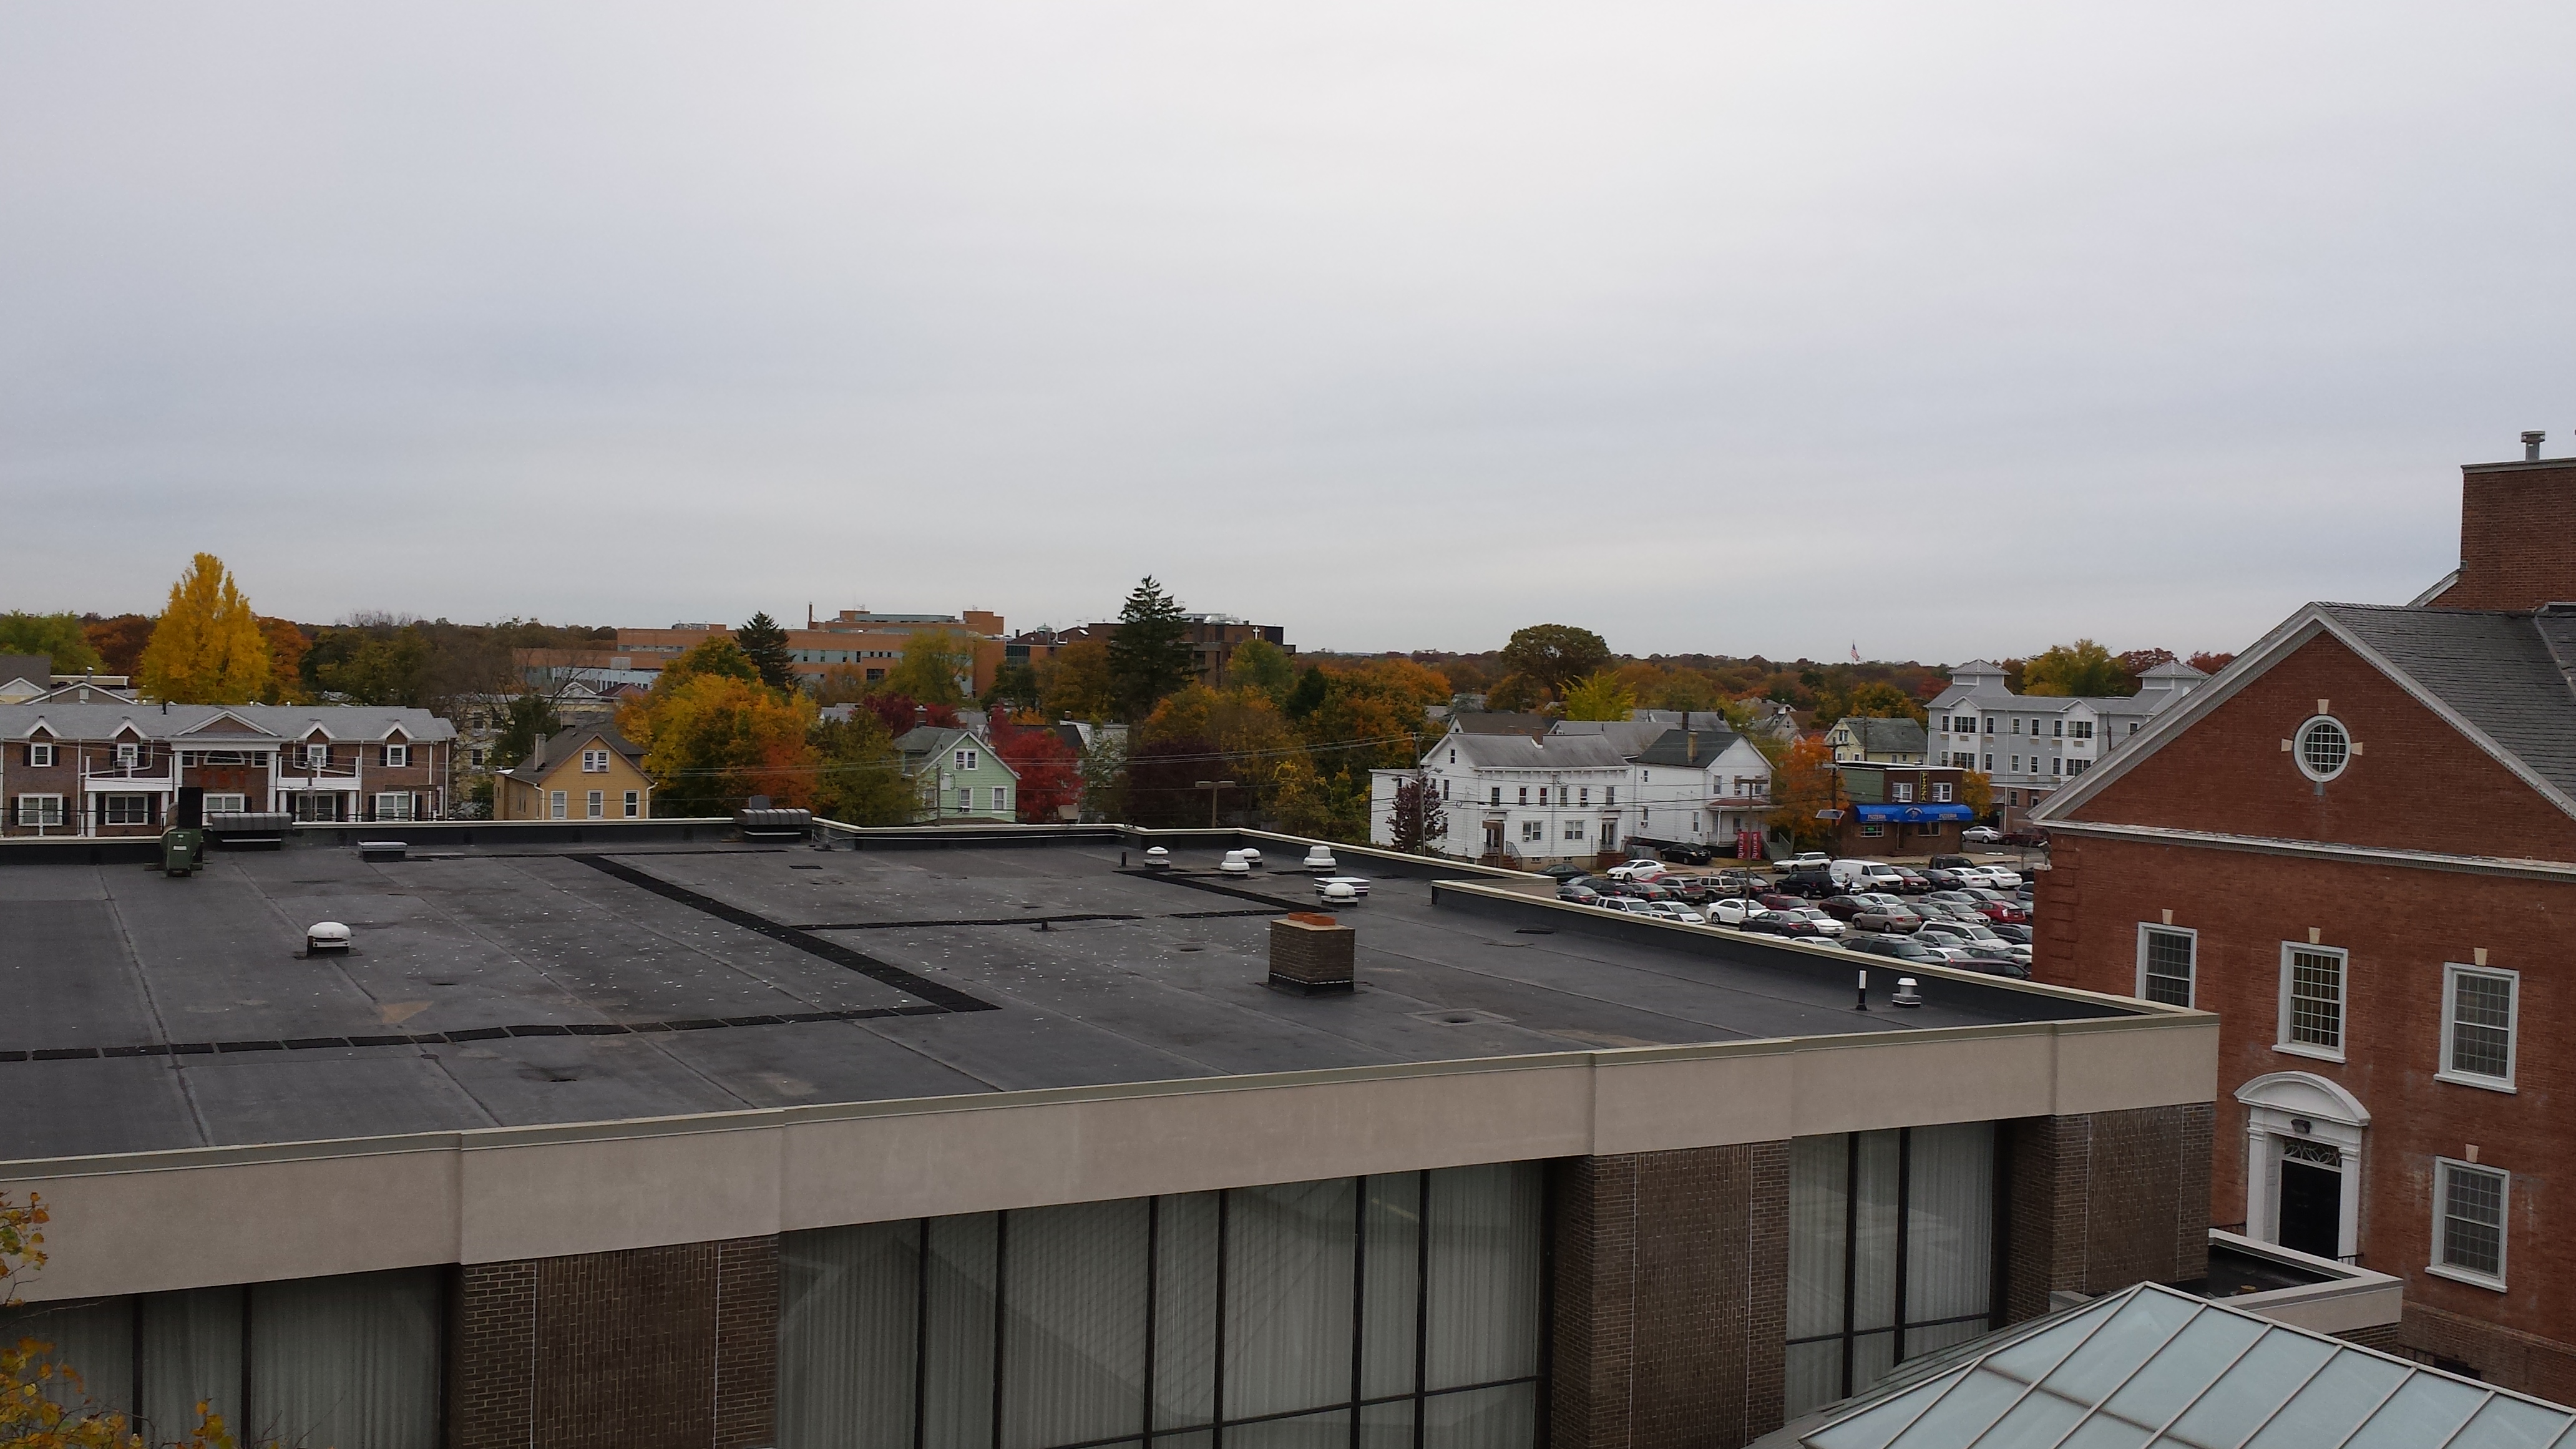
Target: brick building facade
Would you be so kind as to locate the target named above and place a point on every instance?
(2357, 845)
(114, 770)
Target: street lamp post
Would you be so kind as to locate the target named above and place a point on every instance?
(1212, 787)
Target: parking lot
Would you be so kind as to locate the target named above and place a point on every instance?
(1972, 911)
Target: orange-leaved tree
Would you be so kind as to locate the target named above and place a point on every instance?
(714, 736)
(1803, 786)
(43, 1403)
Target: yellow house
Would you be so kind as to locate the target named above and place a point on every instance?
(587, 773)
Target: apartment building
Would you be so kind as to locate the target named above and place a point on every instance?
(114, 769)
(1572, 791)
(859, 639)
(2032, 744)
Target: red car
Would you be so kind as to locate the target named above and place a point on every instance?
(1996, 906)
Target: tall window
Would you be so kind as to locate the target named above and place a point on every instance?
(1001, 799)
(1496, 798)
(2477, 1025)
(346, 1360)
(2312, 1000)
(556, 804)
(1891, 1252)
(634, 804)
(2164, 963)
(1307, 1313)
(595, 806)
(2468, 1222)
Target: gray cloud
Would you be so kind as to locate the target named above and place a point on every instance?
(1943, 330)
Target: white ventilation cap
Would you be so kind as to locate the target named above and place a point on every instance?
(1319, 858)
(1235, 864)
(326, 936)
(1340, 891)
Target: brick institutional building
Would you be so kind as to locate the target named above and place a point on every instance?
(2357, 844)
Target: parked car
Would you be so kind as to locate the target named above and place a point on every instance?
(1581, 895)
(1808, 921)
(1685, 854)
(1949, 862)
(1912, 882)
(1996, 906)
(1783, 901)
(1902, 948)
(1672, 912)
(1946, 878)
(1638, 870)
(1978, 940)
(1982, 835)
(1843, 908)
(2013, 931)
(2034, 838)
(1735, 911)
(1807, 860)
(1623, 904)
(1565, 874)
(1812, 884)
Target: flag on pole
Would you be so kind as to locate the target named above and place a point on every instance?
(1855, 651)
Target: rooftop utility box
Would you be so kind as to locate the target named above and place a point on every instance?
(774, 824)
(183, 845)
(1312, 954)
(248, 829)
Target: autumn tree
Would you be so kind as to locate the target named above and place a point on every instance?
(1883, 701)
(1149, 656)
(2210, 661)
(1162, 780)
(1417, 818)
(937, 667)
(1553, 656)
(1014, 690)
(858, 772)
(1265, 666)
(364, 666)
(1977, 792)
(716, 655)
(1602, 696)
(714, 735)
(1077, 683)
(56, 636)
(765, 645)
(1515, 692)
(1050, 774)
(119, 639)
(2082, 669)
(1245, 729)
(1804, 784)
(287, 645)
(207, 647)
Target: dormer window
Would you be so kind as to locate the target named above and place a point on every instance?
(41, 755)
(128, 756)
(316, 753)
(967, 759)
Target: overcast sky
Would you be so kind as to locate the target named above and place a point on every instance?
(1939, 330)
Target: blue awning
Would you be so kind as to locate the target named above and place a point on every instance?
(1913, 814)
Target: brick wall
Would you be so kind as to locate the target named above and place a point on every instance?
(2523, 1362)
(2400, 925)
(1671, 1297)
(2099, 1202)
(2418, 784)
(1311, 951)
(2514, 523)
(653, 1348)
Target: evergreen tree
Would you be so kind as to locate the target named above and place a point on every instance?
(1150, 655)
(1309, 695)
(766, 643)
(522, 720)
(207, 647)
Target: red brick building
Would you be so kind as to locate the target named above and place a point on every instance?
(2357, 844)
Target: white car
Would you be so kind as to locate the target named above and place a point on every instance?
(1639, 870)
(1823, 921)
(1671, 912)
(1735, 912)
(1627, 905)
(1982, 835)
(1992, 877)
(1808, 860)
(1358, 886)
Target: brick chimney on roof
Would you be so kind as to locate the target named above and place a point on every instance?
(2517, 533)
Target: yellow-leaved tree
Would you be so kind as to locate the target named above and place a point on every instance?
(43, 1402)
(207, 647)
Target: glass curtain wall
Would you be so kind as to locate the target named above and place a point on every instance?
(1394, 1312)
(350, 1361)
(1892, 1253)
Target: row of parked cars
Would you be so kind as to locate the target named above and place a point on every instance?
(1977, 917)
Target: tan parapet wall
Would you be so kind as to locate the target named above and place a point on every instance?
(207, 1216)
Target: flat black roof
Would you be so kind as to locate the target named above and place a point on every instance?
(514, 984)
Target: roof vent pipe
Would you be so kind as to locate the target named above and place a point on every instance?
(2531, 446)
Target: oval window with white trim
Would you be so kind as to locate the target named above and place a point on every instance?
(2323, 748)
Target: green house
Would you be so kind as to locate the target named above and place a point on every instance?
(956, 776)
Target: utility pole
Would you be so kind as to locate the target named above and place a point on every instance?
(1212, 787)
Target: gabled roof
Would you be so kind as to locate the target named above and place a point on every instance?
(923, 743)
(552, 752)
(1630, 738)
(2503, 679)
(1497, 722)
(1687, 749)
(1884, 736)
(2152, 1363)
(1525, 752)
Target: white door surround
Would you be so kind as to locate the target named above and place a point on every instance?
(2285, 1108)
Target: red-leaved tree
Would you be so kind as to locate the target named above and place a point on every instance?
(897, 711)
(1050, 774)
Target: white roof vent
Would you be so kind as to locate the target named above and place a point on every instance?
(1320, 858)
(1235, 864)
(325, 936)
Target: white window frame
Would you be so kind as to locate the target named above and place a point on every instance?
(225, 804)
(396, 757)
(594, 762)
(1001, 799)
(2191, 993)
(2452, 971)
(595, 803)
(1904, 794)
(128, 755)
(965, 799)
(2281, 1041)
(558, 805)
(402, 796)
(109, 808)
(53, 818)
(41, 754)
(1574, 829)
(1533, 831)
(966, 759)
(2443, 1169)
(634, 804)
(316, 754)
(2299, 747)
